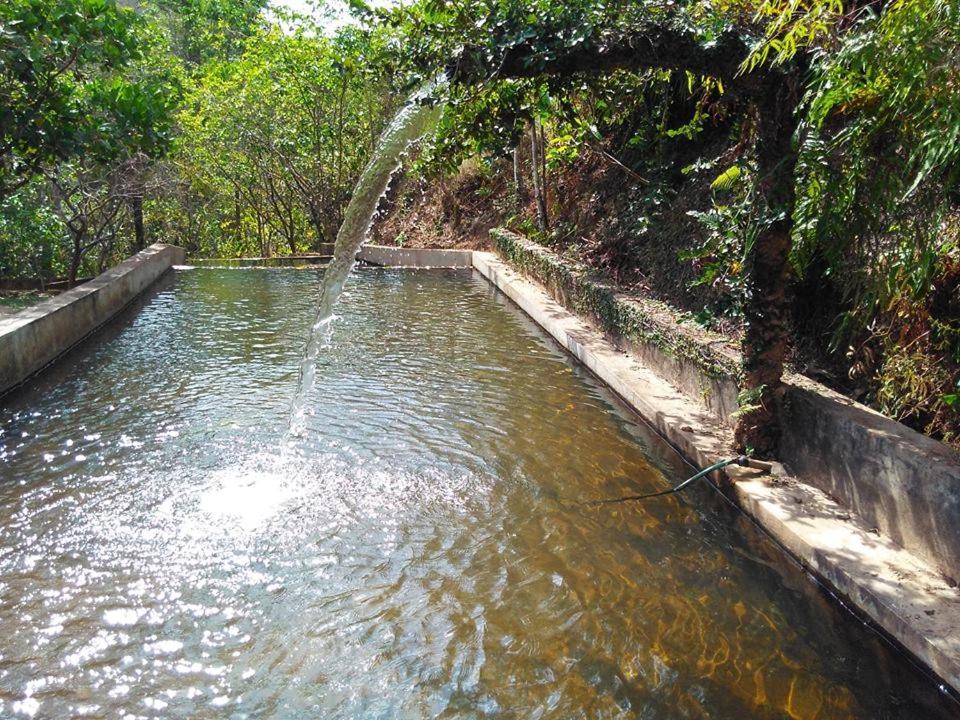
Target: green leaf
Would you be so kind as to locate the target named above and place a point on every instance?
(727, 179)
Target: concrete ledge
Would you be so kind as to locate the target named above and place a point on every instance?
(898, 481)
(385, 256)
(277, 261)
(35, 337)
(699, 362)
(901, 482)
(902, 594)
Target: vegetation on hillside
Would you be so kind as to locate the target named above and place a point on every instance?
(812, 147)
(786, 170)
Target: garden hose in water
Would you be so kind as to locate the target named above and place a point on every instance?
(741, 460)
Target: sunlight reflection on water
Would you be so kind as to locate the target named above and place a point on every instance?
(167, 550)
(246, 497)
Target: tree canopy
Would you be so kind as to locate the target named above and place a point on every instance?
(793, 162)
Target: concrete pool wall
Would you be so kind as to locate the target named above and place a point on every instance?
(414, 257)
(896, 480)
(33, 338)
(869, 506)
(866, 504)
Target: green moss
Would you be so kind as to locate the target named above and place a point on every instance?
(580, 290)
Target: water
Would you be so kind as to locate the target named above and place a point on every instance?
(420, 551)
(417, 117)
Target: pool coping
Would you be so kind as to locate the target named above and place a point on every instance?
(36, 336)
(902, 594)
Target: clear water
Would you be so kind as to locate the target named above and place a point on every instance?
(419, 551)
(411, 122)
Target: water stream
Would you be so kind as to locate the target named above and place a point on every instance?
(416, 118)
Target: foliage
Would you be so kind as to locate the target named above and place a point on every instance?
(730, 230)
(880, 156)
(204, 30)
(88, 199)
(273, 141)
(88, 90)
(32, 242)
(793, 25)
(918, 387)
(877, 186)
(64, 90)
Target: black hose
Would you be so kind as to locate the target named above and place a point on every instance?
(741, 460)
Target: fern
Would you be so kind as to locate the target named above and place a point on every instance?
(727, 179)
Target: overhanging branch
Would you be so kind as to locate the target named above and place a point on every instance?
(656, 46)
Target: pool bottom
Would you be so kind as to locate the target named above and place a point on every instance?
(424, 549)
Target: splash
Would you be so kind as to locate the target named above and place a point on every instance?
(414, 120)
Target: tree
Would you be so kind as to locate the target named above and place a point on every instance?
(569, 41)
(88, 91)
(204, 30)
(60, 82)
(279, 135)
(88, 200)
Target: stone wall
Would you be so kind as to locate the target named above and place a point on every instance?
(386, 256)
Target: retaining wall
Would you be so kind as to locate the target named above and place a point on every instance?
(898, 481)
(386, 256)
(36, 336)
(700, 363)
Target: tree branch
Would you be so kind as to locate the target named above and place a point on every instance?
(659, 45)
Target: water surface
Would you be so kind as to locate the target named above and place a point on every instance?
(420, 550)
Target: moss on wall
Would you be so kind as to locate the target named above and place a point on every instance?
(636, 320)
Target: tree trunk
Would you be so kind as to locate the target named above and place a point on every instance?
(237, 224)
(544, 179)
(517, 177)
(140, 235)
(538, 190)
(261, 242)
(765, 341)
(75, 257)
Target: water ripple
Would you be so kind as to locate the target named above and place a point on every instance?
(418, 550)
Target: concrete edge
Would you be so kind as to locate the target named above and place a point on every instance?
(700, 362)
(275, 261)
(35, 337)
(904, 596)
(895, 479)
(385, 256)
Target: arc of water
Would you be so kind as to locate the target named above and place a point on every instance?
(414, 120)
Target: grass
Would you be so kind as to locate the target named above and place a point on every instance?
(14, 300)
